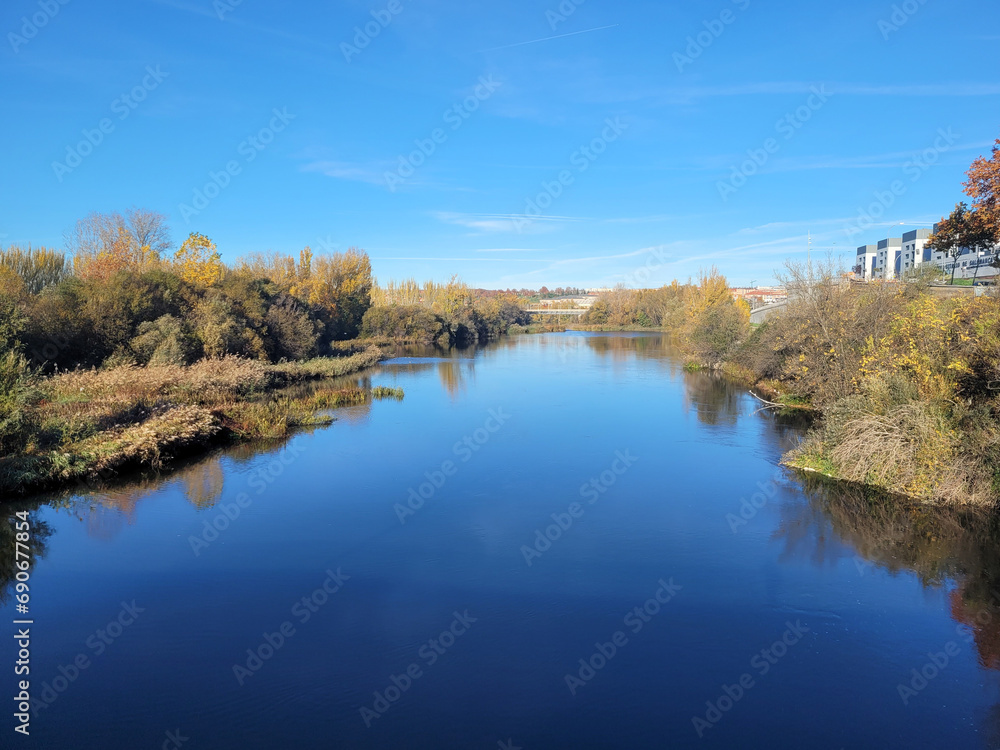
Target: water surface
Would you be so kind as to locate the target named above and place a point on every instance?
(460, 552)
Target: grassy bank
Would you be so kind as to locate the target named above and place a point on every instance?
(612, 328)
(89, 425)
(906, 385)
(904, 382)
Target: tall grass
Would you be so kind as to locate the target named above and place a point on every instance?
(94, 422)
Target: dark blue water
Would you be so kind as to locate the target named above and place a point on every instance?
(559, 541)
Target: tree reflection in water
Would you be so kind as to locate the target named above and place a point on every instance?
(943, 547)
(37, 542)
(715, 400)
(107, 510)
(625, 347)
(454, 377)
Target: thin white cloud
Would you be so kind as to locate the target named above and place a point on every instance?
(686, 94)
(548, 38)
(346, 171)
(480, 260)
(198, 10)
(878, 161)
(496, 222)
(511, 250)
(234, 18)
(559, 266)
(644, 219)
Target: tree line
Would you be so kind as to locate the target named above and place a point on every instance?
(122, 292)
(710, 322)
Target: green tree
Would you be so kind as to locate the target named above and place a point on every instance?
(962, 230)
(164, 341)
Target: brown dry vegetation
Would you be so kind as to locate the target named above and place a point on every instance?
(96, 423)
(905, 382)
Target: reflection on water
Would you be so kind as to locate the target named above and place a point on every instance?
(203, 484)
(714, 400)
(627, 345)
(957, 549)
(576, 398)
(37, 542)
(455, 376)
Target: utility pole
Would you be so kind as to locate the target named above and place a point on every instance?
(809, 262)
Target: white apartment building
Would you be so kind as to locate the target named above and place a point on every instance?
(887, 258)
(894, 258)
(913, 249)
(865, 265)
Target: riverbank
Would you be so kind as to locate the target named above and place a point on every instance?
(90, 425)
(903, 384)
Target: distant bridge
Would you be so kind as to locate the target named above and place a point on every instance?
(761, 314)
(550, 311)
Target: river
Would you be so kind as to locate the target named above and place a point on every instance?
(555, 541)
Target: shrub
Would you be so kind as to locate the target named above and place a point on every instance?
(18, 396)
(292, 334)
(411, 322)
(164, 341)
(718, 330)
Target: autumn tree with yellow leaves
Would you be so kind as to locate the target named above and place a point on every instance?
(104, 244)
(716, 322)
(198, 262)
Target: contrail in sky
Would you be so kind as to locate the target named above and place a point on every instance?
(558, 36)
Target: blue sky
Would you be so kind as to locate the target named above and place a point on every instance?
(566, 144)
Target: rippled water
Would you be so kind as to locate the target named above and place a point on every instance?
(558, 541)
